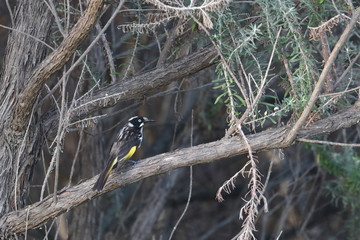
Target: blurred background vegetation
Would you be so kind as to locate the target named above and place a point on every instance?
(313, 191)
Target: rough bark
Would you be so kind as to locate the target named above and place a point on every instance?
(40, 212)
(23, 54)
(24, 75)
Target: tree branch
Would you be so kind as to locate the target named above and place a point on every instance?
(136, 87)
(146, 83)
(53, 63)
(38, 213)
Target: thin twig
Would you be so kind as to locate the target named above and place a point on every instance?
(233, 128)
(61, 130)
(26, 220)
(351, 5)
(190, 182)
(232, 75)
(52, 9)
(163, 54)
(108, 52)
(317, 189)
(63, 120)
(278, 237)
(181, 9)
(325, 50)
(131, 60)
(58, 84)
(329, 143)
(231, 98)
(10, 13)
(347, 70)
(75, 158)
(18, 156)
(263, 81)
(339, 93)
(289, 74)
(93, 118)
(28, 35)
(81, 57)
(44, 167)
(266, 209)
(336, 8)
(48, 229)
(52, 96)
(67, 15)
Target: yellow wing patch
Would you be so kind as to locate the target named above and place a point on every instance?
(130, 153)
(127, 156)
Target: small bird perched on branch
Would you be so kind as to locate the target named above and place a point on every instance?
(128, 141)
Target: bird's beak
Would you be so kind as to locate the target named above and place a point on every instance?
(148, 120)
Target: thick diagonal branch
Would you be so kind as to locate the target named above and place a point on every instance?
(38, 213)
(54, 62)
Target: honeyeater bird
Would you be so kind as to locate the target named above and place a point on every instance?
(127, 142)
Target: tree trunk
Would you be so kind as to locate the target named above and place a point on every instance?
(19, 148)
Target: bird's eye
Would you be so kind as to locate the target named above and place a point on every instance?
(139, 120)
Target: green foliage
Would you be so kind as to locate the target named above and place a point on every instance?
(247, 48)
(345, 187)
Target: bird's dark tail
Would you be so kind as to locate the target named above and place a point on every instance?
(100, 183)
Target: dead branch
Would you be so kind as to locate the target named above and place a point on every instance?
(38, 213)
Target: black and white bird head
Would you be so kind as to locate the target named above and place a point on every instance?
(138, 122)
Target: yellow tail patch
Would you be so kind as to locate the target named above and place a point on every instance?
(112, 165)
